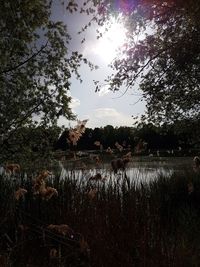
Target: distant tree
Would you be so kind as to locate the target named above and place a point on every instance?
(187, 131)
(109, 136)
(61, 143)
(164, 137)
(157, 137)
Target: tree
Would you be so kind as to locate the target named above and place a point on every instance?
(35, 67)
(30, 145)
(161, 52)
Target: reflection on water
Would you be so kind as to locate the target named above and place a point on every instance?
(157, 167)
(140, 168)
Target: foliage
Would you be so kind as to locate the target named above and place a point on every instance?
(30, 144)
(182, 134)
(161, 53)
(35, 67)
(107, 136)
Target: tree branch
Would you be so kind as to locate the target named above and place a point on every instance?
(24, 62)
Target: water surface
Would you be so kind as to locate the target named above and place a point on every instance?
(139, 169)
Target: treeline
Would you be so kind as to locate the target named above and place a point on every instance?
(31, 143)
(174, 136)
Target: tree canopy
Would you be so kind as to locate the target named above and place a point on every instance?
(161, 54)
(35, 67)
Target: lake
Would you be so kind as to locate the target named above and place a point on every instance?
(140, 168)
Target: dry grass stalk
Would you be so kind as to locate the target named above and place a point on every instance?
(76, 133)
(39, 186)
(92, 193)
(48, 193)
(109, 150)
(12, 168)
(81, 126)
(43, 175)
(74, 136)
(20, 193)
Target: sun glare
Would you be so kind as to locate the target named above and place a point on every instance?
(107, 45)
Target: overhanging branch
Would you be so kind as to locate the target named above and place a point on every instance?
(24, 62)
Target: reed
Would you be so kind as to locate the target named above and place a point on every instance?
(113, 222)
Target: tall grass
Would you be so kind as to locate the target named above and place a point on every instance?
(126, 224)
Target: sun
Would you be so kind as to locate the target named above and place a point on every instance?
(107, 45)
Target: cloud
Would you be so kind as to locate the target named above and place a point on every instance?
(75, 102)
(109, 116)
(106, 112)
(104, 90)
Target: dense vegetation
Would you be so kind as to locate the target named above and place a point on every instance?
(113, 223)
(35, 69)
(76, 220)
(157, 137)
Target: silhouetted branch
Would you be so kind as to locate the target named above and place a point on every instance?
(24, 62)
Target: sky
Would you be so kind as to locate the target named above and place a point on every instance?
(102, 108)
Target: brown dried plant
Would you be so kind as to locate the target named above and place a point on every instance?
(43, 175)
(97, 160)
(92, 193)
(39, 183)
(74, 136)
(81, 126)
(109, 150)
(39, 186)
(20, 193)
(48, 193)
(119, 147)
(12, 168)
(76, 133)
